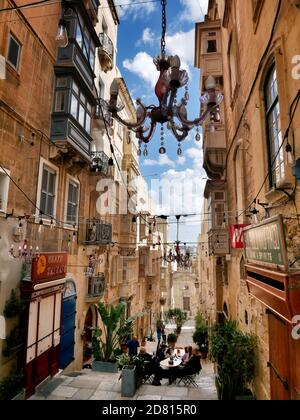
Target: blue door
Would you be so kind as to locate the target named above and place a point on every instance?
(68, 315)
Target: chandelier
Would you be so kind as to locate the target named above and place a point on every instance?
(169, 111)
(183, 260)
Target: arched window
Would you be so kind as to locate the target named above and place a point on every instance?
(274, 130)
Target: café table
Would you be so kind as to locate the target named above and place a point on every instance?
(165, 364)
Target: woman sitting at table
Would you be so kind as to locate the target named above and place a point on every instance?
(187, 355)
(192, 366)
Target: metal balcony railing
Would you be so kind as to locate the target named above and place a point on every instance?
(107, 45)
(99, 162)
(98, 232)
(96, 286)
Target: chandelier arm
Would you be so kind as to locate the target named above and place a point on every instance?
(146, 139)
(197, 121)
(129, 124)
(180, 137)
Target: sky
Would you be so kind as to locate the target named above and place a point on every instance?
(176, 182)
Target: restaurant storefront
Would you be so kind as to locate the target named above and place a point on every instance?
(42, 289)
(277, 286)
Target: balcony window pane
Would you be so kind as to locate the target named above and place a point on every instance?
(74, 106)
(81, 115)
(79, 36)
(88, 123)
(60, 101)
(75, 87)
(61, 82)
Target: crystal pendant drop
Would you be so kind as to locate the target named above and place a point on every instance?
(139, 152)
(162, 150)
(179, 151)
(145, 152)
(197, 137)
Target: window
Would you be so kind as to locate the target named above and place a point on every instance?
(85, 42)
(4, 186)
(48, 187)
(101, 88)
(120, 131)
(14, 51)
(212, 46)
(274, 132)
(232, 66)
(72, 203)
(81, 109)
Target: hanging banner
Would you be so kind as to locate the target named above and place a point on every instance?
(237, 236)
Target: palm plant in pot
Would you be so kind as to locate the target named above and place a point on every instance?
(235, 355)
(107, 340)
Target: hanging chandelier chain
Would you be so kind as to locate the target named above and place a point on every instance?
(164, 28)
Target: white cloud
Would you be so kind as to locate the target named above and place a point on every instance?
(182, 44)
(148, 36)
(142, 65)
(193, 10)
(131, 9)
(181, 160)
(163, 160)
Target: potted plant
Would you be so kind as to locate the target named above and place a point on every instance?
(200, 337)
(172, 339)
(131, 374)
(11, 387)
(234, 353)
(13, 306)
(106, 341)
(178, 316)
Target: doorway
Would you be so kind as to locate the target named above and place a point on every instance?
(279, 358)
(88, 334)
(68, 315)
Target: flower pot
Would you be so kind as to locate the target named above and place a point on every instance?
(105, 366)
(129, 381)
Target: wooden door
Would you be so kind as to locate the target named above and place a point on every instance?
(279, 363)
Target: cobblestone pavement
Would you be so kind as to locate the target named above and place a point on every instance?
(90, 385)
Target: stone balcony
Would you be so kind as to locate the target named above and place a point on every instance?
(95, 288)
(214, 152)
(106, 52)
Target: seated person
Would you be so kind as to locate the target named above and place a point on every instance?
(170, 351)
(187, 355)
(192, 366)
(144, 355)
(161, 352)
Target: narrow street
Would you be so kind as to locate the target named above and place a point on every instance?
(89, 385)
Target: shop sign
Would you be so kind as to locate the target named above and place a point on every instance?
(265, 244)
(49, 266)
